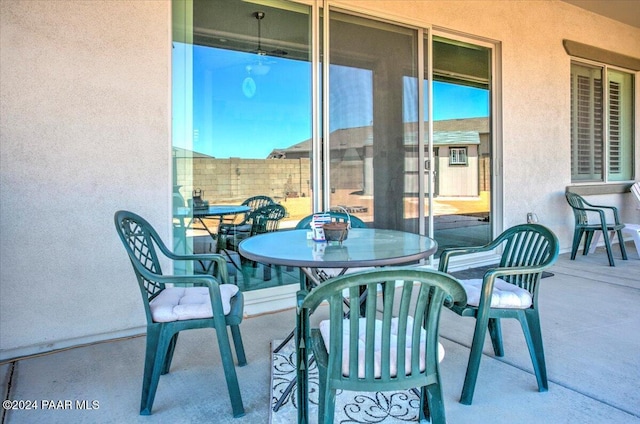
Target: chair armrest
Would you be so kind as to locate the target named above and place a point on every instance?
(616, 217)
(178, 280)
(188, 280)
(213, 257)
(446, 254)
(515, 270)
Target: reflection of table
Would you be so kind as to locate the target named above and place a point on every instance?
(217, 211)
(364, 247)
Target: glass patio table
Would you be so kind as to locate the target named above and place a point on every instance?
(364, 247)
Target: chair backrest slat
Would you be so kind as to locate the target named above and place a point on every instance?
(527, 245)
(398, 334)
(267, 218)
(577, 204)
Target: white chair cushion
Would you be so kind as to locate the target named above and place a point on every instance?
(183, 303)
(325, 332)
(505, 295)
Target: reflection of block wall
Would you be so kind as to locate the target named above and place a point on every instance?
(347, 175)
(485, 173)
(235, 179)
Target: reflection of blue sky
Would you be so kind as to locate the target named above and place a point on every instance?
(227, 123)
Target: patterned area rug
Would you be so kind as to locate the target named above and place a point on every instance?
(351, 407)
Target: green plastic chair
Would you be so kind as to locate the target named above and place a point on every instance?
(510, 290)
(190, 293)
(582, 210)
(394, 346)
(305, 223)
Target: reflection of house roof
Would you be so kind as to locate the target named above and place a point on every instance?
(179, 152)
(445, 132)
(441, 138)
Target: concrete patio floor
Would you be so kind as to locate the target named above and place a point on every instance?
(591, 328)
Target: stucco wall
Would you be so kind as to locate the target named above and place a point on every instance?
(84, 121)
(84, 132)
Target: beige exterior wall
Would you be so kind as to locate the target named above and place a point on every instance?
(85, 130)
(85, 112)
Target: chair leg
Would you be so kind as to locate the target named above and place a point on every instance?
(433, 404)
(474, 361)
(169, 357)
(322, 393)
(577, 235)
(623, 249)
(157, 346)
(329, 407)
(587, 242)
(607, 244)
(495, 331)
(229, 370)
(530, 322)
(239, 346)
(266, 272)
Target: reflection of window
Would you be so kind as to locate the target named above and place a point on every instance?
(457, 156)
(601, 124)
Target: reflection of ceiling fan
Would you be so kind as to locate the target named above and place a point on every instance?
(260, 51)
(262, 64)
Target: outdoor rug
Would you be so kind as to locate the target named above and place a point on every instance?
(351, 407)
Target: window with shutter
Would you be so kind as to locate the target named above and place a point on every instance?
(590, 132)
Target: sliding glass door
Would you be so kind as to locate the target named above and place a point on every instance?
(391, 123)
(383, 165)
(372, 138)
(462, 142)
(242, 103)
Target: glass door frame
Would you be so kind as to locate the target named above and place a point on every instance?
(425, 138)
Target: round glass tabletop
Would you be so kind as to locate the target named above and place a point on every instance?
(363, 247)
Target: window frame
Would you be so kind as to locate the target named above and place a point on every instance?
(605, 121)
(455, 154)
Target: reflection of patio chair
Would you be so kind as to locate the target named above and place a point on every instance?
(263, 220)
(393, 346)
(228, 229)
(528, 250)
(190, 302)
(582, 212)
(305, 224)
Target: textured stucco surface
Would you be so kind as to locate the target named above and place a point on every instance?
(84, 130)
